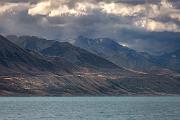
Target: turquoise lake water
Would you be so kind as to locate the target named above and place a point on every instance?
(89, 108)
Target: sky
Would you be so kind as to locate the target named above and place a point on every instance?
(145, 25)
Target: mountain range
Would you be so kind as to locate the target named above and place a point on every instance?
(129, 58)
(169, 60)
(64, 50)
(32, 66)
(118, 54)
(15, 59)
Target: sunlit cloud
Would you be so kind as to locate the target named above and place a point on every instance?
(41, 8)
(175, 16)
(12, 8)
(61, 8)
(88, 17)
(122, 9)
(153, 25)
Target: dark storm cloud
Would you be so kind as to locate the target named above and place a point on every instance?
(167, 19)
(152, 42)
(176, 4)
(101, 26)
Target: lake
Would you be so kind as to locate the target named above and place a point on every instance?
(89, 108)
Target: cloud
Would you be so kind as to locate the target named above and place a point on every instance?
(122, 9)
(12, 8)
(41, 8)
(67, 19)
(79, 8)
(56, 8)
(153, 25)
(144, 15)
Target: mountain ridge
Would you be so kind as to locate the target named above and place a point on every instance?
(116, 53)
(61, 49)
(12, 56)
(169, 60)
